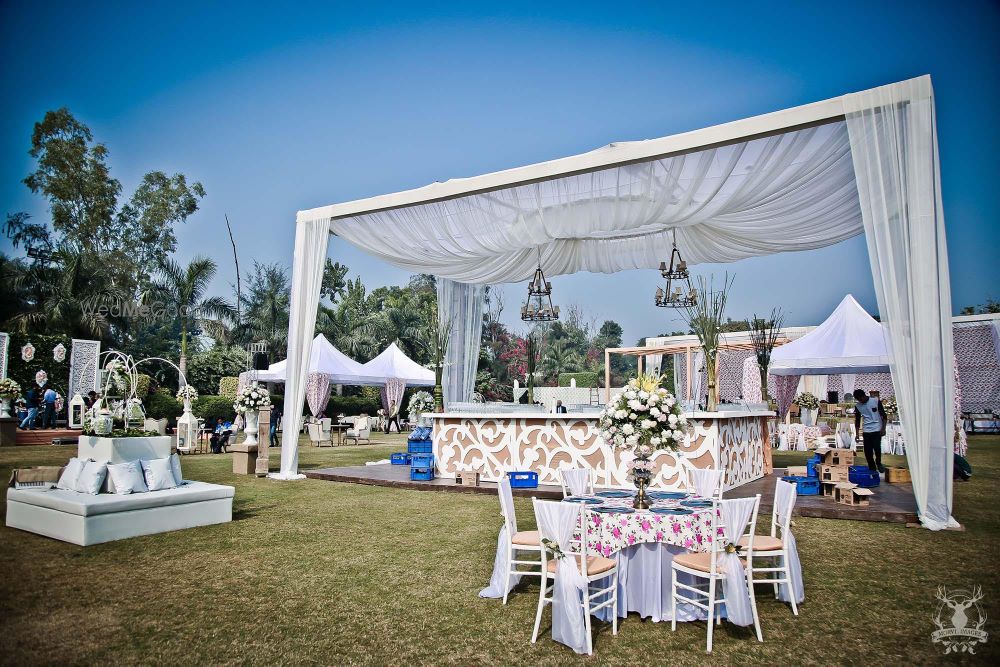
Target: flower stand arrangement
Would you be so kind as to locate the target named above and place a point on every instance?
(809, 407)
(420, 402)
(643, 418)
(249, 402)
(10, 391)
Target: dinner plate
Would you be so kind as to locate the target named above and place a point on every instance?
(583, 499)
(670, 510)
(696, 503)
(613, 493)
(613, 510)
(667, 495)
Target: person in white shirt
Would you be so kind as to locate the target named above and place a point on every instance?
(870, 412)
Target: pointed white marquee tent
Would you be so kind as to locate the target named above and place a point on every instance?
(326, 359)
(848, 341)
(394, 364)
(797, 179)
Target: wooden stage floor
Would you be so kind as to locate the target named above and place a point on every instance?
(891, 502)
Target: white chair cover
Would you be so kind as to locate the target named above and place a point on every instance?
(783, 437)
(498, 585)
(801, 446)
(706, 481)
(784, 500)
(845, 439)
(735, 515)
(577, 480)
(556, 523)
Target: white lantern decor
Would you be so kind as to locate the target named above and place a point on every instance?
(76, 409)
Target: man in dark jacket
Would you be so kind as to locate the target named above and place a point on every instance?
(32, 400)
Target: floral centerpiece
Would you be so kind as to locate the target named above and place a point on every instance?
(891, 409)
(420, 402)
(809, 405)
(187, 393)
(10, 390)
(249, 401)
(641, 419)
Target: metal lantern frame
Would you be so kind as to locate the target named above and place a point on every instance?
(538, 307)
(674, 296)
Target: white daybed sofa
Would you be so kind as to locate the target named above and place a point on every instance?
(91, 519)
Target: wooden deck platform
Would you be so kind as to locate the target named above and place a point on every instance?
(891, 502)
(45, 436)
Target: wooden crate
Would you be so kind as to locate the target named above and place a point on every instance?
(897, 475)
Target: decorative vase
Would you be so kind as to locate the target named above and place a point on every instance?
(5, 408)
(104, 423)
(641, 481)
(712, 404)
(808, 416)
(250, 427)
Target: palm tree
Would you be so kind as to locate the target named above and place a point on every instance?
(559, 358)
(265, 307)
(181, 291)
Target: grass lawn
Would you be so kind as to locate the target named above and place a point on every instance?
(316, 572)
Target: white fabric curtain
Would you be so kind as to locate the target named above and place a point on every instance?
(705, 481)
(577, 480)
(784, 500)
(311, 241)
(735, 517)
(786, 192)
(750, 384)
(698, 380)
(499, 582)
(893, 137)
(460, 306)
(848, 381)
(556, 522)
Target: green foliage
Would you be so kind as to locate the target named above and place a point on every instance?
(228, 386)
(161, 404)
(205, 369)
(265, 307)
(991, 306)
(24, 371)
(584, 379)
(353, 405)
(143, 385)
(210, 408)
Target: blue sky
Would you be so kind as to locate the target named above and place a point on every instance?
(276, 109)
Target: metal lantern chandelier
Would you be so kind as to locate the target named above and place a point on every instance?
(538, 307)
(678, 292)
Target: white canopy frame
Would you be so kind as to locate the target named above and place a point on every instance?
(797, 179)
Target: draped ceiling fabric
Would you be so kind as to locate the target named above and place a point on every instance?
(797, 179)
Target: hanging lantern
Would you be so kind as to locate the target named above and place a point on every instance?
(678, 292)
(538, 307)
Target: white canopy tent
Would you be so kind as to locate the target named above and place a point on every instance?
(394, 364)
(326, 359)
(848, 341)
(797, 179)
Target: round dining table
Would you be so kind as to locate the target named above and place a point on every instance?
(643, 543)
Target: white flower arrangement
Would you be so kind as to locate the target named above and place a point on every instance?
(10, 389)
(420, 402)
(252, 398)
(187, 392)
(806, 401)
(118, 376)
(891, 408)
(643, 418)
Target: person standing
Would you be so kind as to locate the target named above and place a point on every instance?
(49, 399)
(275, 423)
(393, 418)
(869, 411)
(32, 400)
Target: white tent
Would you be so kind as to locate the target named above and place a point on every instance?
(797, 179)
(848, 341)
(394, 364)
(326, 359)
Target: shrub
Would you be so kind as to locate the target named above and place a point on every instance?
(228, 386)
(352, 405)
(206, 368)
(161, 404)
(210, 408)
(142, 386)
(584, 379)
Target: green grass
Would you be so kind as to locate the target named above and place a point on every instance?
(317, 572)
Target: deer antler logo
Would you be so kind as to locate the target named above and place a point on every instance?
(959, 619)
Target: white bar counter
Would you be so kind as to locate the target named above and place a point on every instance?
(543, 442)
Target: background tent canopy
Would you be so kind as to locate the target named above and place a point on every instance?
(326, 359)
(848, 341)
(394, 364)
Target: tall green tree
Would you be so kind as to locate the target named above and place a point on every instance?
(179, 292)
(266, 302)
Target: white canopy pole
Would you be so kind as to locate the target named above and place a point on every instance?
(894, 148)
(311, 241)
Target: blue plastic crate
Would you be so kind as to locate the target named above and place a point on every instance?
(523, 480)
(804, 486)
(421, 474)
(421, 460)
(863, 476)
(400, 459)
(419, 447)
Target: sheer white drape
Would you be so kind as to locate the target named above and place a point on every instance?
(735, 515)
(784, 500)
(311, 241)
(577, 480)
(705, 481)
(500, 583)
(460, 306)
(786, 192)
(893, 137)
(556, 523)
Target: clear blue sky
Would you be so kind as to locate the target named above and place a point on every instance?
(276, 109)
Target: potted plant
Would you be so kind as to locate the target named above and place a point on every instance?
(809, 407)
(251, 399)
(763, 337)
(643, 418)
(10, 390)
(420, 402)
